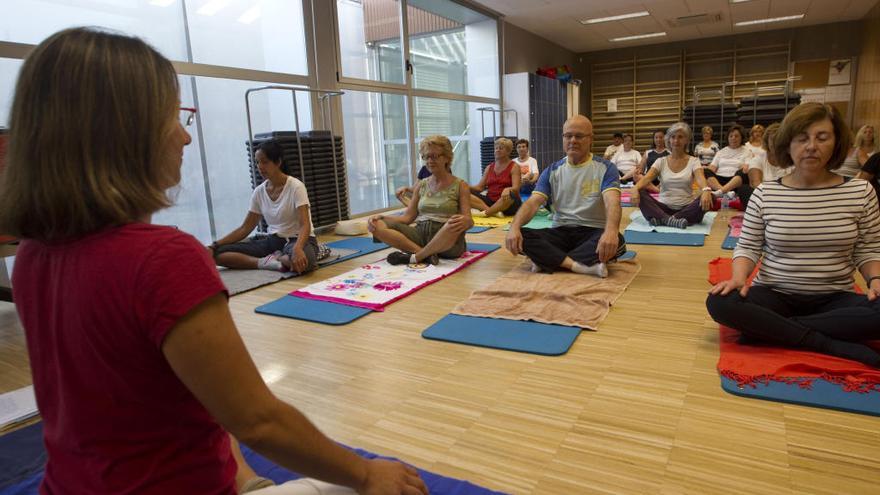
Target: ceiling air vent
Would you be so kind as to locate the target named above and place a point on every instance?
(693, 20)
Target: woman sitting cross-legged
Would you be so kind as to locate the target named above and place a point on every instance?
(810, 230)
(727, 172)
(497, 193)
(762, 167)
(439, 207)
(864, 147)
(677, 206)
(705, 150)
(627, 160)
(284, 203)
(658, 151)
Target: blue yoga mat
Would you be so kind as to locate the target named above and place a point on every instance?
(512, 335)
(22, 457)
(331, 313)
(363, 245)
(729, 242)
(627, 256)
(437, 484)
(822, 394)
(477, 229)
(312, 310)
(663, 239)
(489, 248)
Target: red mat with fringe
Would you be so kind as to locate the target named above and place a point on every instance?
(750, 365)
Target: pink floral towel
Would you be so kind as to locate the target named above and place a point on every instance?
(378, 284)
(736, 225)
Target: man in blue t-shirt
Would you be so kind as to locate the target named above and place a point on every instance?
(585, 194)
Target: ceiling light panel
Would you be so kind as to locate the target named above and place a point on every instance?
(771, 19)
(638, 37)
(615, 17)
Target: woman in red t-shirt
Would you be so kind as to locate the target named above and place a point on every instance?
(138, 369)
(497, 193)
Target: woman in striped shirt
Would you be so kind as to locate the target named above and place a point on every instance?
(811, 230)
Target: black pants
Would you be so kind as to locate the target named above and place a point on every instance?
(743, 192)
(548, 247)
(833, 323)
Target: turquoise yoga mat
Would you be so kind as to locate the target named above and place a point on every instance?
(663, 238)
(729, 242)
(511, 335)
(638, 223)
(822, 394)
(331, 313)
(324, 312)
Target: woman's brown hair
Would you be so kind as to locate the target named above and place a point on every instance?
(799, 120)
(91, 112)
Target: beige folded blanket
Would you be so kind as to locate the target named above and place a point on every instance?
(561, 298)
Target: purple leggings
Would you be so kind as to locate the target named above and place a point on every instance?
(652, 208)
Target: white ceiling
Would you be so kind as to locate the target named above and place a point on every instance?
(557, 20)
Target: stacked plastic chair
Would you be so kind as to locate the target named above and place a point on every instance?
(326, 184)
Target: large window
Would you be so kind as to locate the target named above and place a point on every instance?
(267, 36)
(453, 55)
(376, 148)
(8, 76)
(365, 26)
(263, 35)
(159, 22)
(406, 74)
(460, 122)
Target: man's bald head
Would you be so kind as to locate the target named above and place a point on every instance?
(577, 138)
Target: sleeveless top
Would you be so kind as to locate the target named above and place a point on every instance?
(497, 182)
(440, 205)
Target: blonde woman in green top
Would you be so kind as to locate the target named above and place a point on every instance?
(440, 208)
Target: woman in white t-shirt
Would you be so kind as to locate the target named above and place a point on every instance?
(528, 167)
(627, 159)
(762, 168)
(865, 146)
(677, 205)
(282, 201)
(756, 141)
(705, 150)
(726, 173)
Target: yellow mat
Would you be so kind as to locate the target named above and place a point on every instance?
(491, 221)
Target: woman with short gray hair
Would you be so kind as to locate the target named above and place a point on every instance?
(676, 206)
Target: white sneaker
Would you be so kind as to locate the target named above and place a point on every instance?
(270, 262)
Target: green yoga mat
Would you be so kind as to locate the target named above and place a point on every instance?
(538, 222)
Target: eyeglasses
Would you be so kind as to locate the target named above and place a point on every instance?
(432, 156)
(569, 136)
(187, 116)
